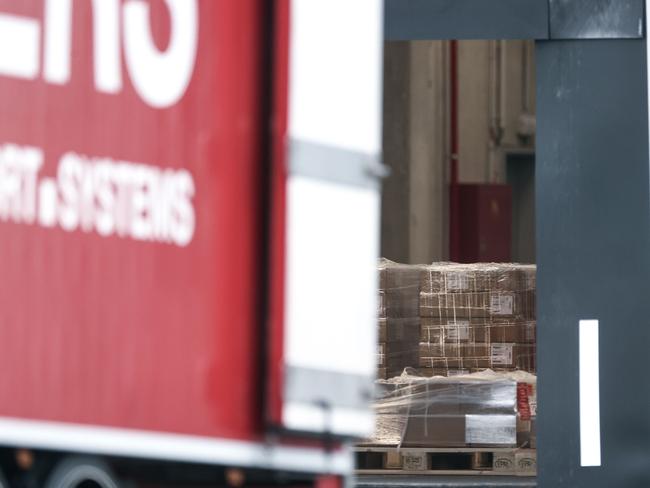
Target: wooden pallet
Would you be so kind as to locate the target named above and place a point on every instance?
(446, 461)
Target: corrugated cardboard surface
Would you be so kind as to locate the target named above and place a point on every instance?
(506, 304)
(449, 413)
(441, 331)
(399, 316)
(463, 278)
(471, 356)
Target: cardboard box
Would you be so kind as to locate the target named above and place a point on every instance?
(398, 276)
(400, 330)
(427, 430)
(441, 331)
(478, 305)
(533, 433)
(523, 432)
(463, 278)
(450, 413)
(476, 356)
(529, 276)
(399, 290)
(447, 412)
(399, 303)
(398, 357)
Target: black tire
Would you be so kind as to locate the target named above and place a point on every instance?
(71, 472)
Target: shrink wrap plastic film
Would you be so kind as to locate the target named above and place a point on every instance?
(483, 290)
(478, 277)
(399, 317)
(471, 410)
(476, 316)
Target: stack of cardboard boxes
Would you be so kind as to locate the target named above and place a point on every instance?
(399, 318)
(475, 317)
(451, 319)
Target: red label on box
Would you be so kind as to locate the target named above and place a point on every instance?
(523, 405)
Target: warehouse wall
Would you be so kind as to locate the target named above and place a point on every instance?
(496, 119)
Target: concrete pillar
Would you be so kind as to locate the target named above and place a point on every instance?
(395, 222)
(429, 159)
(414, 220)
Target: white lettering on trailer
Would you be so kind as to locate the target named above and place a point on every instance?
(160, 78)
(110, 198)
(19, 45)
(19, 168)
(106, 40)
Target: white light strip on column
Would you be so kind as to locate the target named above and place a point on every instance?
(333, 209)
(589, 394)
(19, 46)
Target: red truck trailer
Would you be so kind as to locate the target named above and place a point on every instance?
(189, 213)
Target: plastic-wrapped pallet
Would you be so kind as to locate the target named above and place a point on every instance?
(472, 410)
(399, 317)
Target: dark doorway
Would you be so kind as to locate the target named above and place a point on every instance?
(520, 175)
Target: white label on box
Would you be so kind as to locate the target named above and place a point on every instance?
(457, 281)
(491, 429)
(458, 331)
(501, 304)
(501, 354)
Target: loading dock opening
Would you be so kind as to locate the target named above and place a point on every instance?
(592, 190)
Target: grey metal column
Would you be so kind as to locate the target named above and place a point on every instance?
(593, 242)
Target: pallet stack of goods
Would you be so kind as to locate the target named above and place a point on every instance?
(475, 317)
(399, 318)
(454, 425)
(470, 405)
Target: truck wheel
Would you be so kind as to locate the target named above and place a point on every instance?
(82, 472)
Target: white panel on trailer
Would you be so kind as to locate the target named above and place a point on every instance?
(333, 214)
